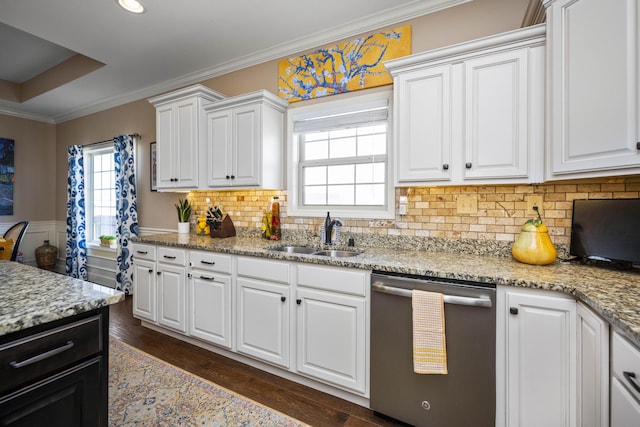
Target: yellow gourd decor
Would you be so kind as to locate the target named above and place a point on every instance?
(533, 245)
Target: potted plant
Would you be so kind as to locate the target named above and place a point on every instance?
(183, 207)
(107, 240)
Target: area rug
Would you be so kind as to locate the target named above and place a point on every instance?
(146, 391)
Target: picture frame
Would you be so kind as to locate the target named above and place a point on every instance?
(153, 167)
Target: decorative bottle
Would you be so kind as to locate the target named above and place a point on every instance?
(275, 219)
(325, 237)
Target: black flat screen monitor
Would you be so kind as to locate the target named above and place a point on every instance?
(606, 230)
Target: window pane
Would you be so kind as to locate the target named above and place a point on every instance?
(315, 195)
(370, 194)
(315, 175)
(316, 150)
(343, 147)
(340, 194)
(343, 174)
(370, 172)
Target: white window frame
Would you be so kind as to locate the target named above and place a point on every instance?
(327, 108)
(88, 154)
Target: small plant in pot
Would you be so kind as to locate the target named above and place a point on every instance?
(107, 240)
(183, 207)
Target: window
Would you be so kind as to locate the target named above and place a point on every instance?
(340, 152)
(100, 181)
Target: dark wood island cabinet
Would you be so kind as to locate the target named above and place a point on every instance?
(53, 349)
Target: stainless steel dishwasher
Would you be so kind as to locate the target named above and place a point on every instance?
(466, 396)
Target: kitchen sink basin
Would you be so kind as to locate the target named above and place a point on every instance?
(293, 249)
(336, 253)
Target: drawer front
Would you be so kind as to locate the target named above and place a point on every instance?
(29, 358)
(626, 359)
(147, 252)
(258, 268)
(172, 256)
(335, 279)
(210, 261)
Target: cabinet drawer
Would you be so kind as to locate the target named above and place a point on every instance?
(210, 261)
(172, 256)
(39, 355)
(625, 358)
(147, 252)
(333, 279)
(272, 271)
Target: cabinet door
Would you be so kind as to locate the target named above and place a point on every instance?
(331, 338)
(540, 360)
(210, 307)
(263, 320)
(423, 125)
(593, 369)
(625, 410)
(171, 296)
(71, 398)
(185, 144)
(144, 290)
(593, 86)
(165, 131)
(247, 146)
(219, 140)
(496, 109)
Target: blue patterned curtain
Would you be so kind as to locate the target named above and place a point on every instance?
(126, 209)
(76, 247)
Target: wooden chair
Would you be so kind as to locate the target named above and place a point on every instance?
(16, 233)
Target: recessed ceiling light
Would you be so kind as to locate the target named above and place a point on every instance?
(132, 6)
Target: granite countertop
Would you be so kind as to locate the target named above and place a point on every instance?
(30, 296)
(613, 294)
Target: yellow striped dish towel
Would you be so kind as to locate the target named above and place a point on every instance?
(429, 343)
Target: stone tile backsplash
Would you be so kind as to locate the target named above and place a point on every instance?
(433, 219)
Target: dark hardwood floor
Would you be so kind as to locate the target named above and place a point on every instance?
(298, 401)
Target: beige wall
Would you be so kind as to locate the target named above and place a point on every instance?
(35, 169)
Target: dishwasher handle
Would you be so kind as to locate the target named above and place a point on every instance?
(448, 299)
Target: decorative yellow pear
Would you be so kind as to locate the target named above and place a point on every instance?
(533, 245)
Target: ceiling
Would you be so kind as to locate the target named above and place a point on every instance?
(172, 44)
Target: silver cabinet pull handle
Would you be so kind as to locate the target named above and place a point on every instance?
(448, 299)
(42, 356)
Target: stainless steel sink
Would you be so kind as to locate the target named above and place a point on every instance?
(336, 253)
(293, 249)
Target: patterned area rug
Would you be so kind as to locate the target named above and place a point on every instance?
(146, 391)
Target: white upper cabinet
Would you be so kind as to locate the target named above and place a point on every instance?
(245, 141)
(471, 113)
(180, 132)
(593, 116)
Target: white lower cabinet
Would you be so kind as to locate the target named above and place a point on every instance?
(171, 277)
(263, 310)
(144, 282)
(593, 369)
(538, 358)
(625, 382)
(209, 288)
(331, 324)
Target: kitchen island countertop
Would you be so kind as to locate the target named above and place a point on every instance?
(614, 294)
(30, 296)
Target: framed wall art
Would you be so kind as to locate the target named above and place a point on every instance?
(7, 147)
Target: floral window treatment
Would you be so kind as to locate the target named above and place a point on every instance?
(126, 209)
(76, 246)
